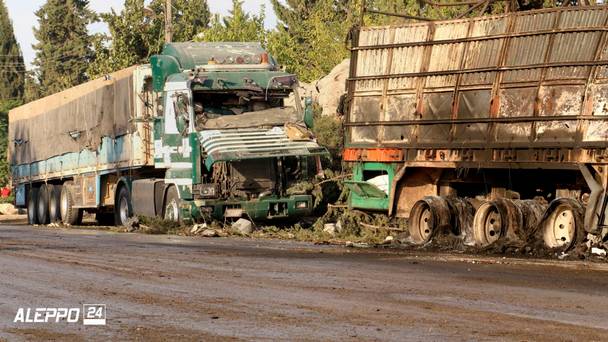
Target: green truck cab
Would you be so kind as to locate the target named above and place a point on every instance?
(224, 135)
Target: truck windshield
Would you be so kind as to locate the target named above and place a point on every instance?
(243, 109)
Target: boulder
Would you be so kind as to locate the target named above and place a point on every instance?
(331, 87)
(243, 226)
(8, 209)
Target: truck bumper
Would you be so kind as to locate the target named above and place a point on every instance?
(263, 209)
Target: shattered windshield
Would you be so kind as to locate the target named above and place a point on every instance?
(245, 109)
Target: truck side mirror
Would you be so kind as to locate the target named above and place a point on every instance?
(308, 112)
(181, 106)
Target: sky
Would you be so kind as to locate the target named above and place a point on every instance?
(22, 15)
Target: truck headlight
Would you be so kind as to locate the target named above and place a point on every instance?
(301, 204)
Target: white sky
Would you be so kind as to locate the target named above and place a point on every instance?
(22, 15)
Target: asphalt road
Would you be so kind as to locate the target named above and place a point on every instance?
(182, 288)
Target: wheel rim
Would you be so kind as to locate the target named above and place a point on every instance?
(42, 205)
(487, 225)
(31, 211)
(560, 228)
(63, 204)
(492, 226)
(53, 214)
(124, 210)
(424, 224)
(171, 211)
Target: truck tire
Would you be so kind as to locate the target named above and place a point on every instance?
(69, 214)
(123, 209)
(43, 205)
(171, 210)
(32, 206)
(55, 203)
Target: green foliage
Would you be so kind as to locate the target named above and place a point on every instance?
(5, 106)
(138, 32)
(11, 60)
(309, 39)
(330, 133)
(238, 26)
(63, 51)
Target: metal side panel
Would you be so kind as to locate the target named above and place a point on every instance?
(532, 79)
(124, 152)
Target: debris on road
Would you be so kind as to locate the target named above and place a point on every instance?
(198, 228)
(209, 233)
(598, 251)
(330, 228)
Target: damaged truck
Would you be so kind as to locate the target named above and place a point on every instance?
(205, 131)
(491, 128)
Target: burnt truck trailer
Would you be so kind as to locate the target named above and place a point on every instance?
(202, 132)
(494, 127)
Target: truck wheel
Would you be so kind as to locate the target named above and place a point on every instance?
(123, 209)
(55, 203)
(32, 206)
(69, 214)
(43, 204)
(171, 210)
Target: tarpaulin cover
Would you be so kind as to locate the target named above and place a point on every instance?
(72, 120)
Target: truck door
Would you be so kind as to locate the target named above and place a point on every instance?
(173, 150)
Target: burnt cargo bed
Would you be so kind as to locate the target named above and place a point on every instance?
(490, 127)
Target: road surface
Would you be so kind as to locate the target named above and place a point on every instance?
(170, 288)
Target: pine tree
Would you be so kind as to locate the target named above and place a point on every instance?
(238, 26)
(63, 51)
(12, 68)
(137, 32)
(309, 39)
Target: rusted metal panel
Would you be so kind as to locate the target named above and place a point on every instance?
(533, 79)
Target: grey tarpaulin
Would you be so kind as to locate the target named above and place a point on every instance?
(74, 119)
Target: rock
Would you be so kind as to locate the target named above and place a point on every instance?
(209, 233)
(243, 226)
(332, 87)
(330, 228)
(326, 91)
(598, 251)
(339, 226)
(198, 228)
(8, 209)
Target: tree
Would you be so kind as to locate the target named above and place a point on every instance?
(137, 32)
(12, 68)
(238, 26)
(63, 51)
(309, 39)
(5, 106)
